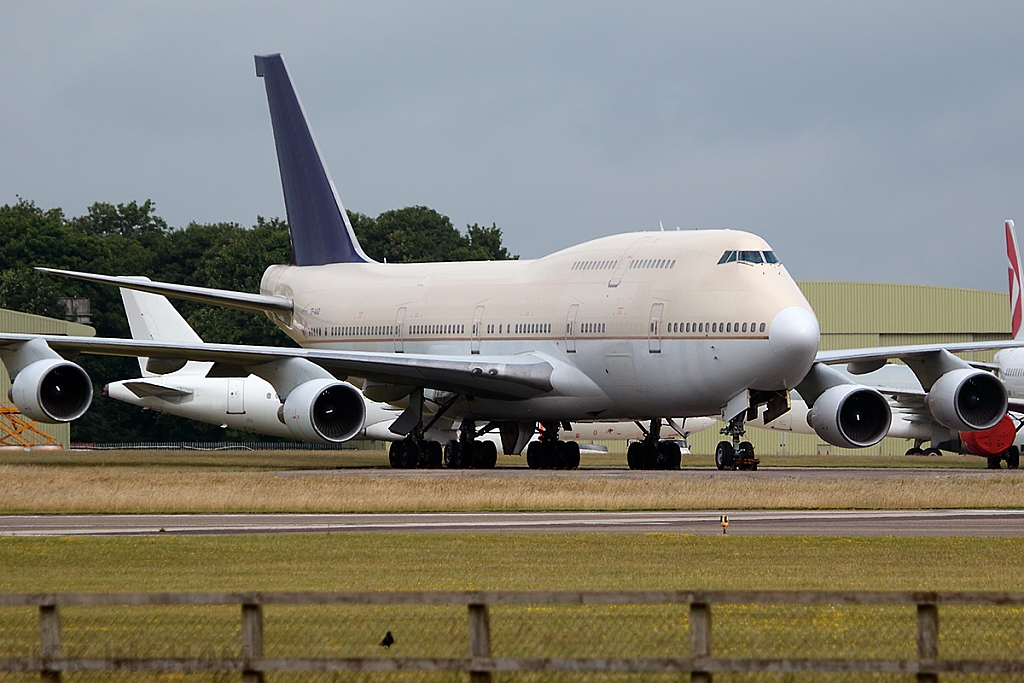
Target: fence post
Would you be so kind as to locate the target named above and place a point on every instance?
(49, 641)
(927, 639)
(479, 640)
(252, 642)
(700, 638)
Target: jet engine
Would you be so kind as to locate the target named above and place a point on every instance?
(967, 400)
(52, 390)
(992, 441)
(324, 411)
(850, 416)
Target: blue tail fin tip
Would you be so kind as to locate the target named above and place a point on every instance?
(320, 230)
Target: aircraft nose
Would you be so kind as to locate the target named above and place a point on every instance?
(794, 336)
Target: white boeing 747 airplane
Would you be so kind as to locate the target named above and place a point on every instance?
(641, 325)
(250, 403)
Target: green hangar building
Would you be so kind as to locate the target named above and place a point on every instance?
(17, 431)
(860, 314)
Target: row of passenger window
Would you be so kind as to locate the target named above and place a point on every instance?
(520, 328)
(749, 257)
(609, 265)
(350, 331)
(437, 329)
(712, 328)
(653, 263)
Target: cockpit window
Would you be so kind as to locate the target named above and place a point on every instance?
(751, 257)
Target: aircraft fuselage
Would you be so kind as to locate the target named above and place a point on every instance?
(637, 324)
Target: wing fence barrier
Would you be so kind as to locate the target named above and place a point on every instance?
(513, 635)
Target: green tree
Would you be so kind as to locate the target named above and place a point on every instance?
(418, 234)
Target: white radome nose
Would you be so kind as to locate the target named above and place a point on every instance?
(794, 336)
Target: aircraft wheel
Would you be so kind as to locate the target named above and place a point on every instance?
(915, 451)
(633, 455)
(671, 457)
(534, 455)
(994, 463)
(451, 454)
(1012, 458)
(486, 454)
(434, 455)
(724, 456)
(396, 454)
(649, 456)
(568, 455)
(932, 452)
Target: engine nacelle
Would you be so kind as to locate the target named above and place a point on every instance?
(324, 411)
(850, 416)
(52, 390)
(992, 441)
(967, 400)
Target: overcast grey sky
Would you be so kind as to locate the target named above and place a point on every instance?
(871, 141)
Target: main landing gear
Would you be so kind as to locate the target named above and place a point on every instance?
(652, 453)
(411, 453)
(1011, 456)
(551, 454)
(467, 452)
(735, 455)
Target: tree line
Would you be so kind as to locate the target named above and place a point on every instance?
(131, 239)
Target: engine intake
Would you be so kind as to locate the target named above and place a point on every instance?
(850, 416)
(52, 390)
(967, 400)
(324, 411)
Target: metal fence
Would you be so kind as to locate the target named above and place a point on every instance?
(510, 635)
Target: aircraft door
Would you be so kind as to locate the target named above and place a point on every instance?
(399, 320)
(474, 344)
(236, 396)
(624, 262)
(654, 328)
(570, 329)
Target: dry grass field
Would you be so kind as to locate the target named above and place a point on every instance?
(353, 481)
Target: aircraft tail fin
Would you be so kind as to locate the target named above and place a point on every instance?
(151, 317)
(320, 230)
(1014, 270)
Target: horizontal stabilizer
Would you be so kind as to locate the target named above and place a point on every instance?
(254, 303)
(142, 389)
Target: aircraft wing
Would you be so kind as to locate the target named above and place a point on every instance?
(501, 377)
(243, 301)
(883, 353)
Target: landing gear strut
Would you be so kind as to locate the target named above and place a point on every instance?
(414, 450)
(551, 454)
(652, 453)
(735, 455)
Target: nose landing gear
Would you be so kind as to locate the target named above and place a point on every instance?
(735, 455)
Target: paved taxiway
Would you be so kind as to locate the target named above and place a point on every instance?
(748, 522)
